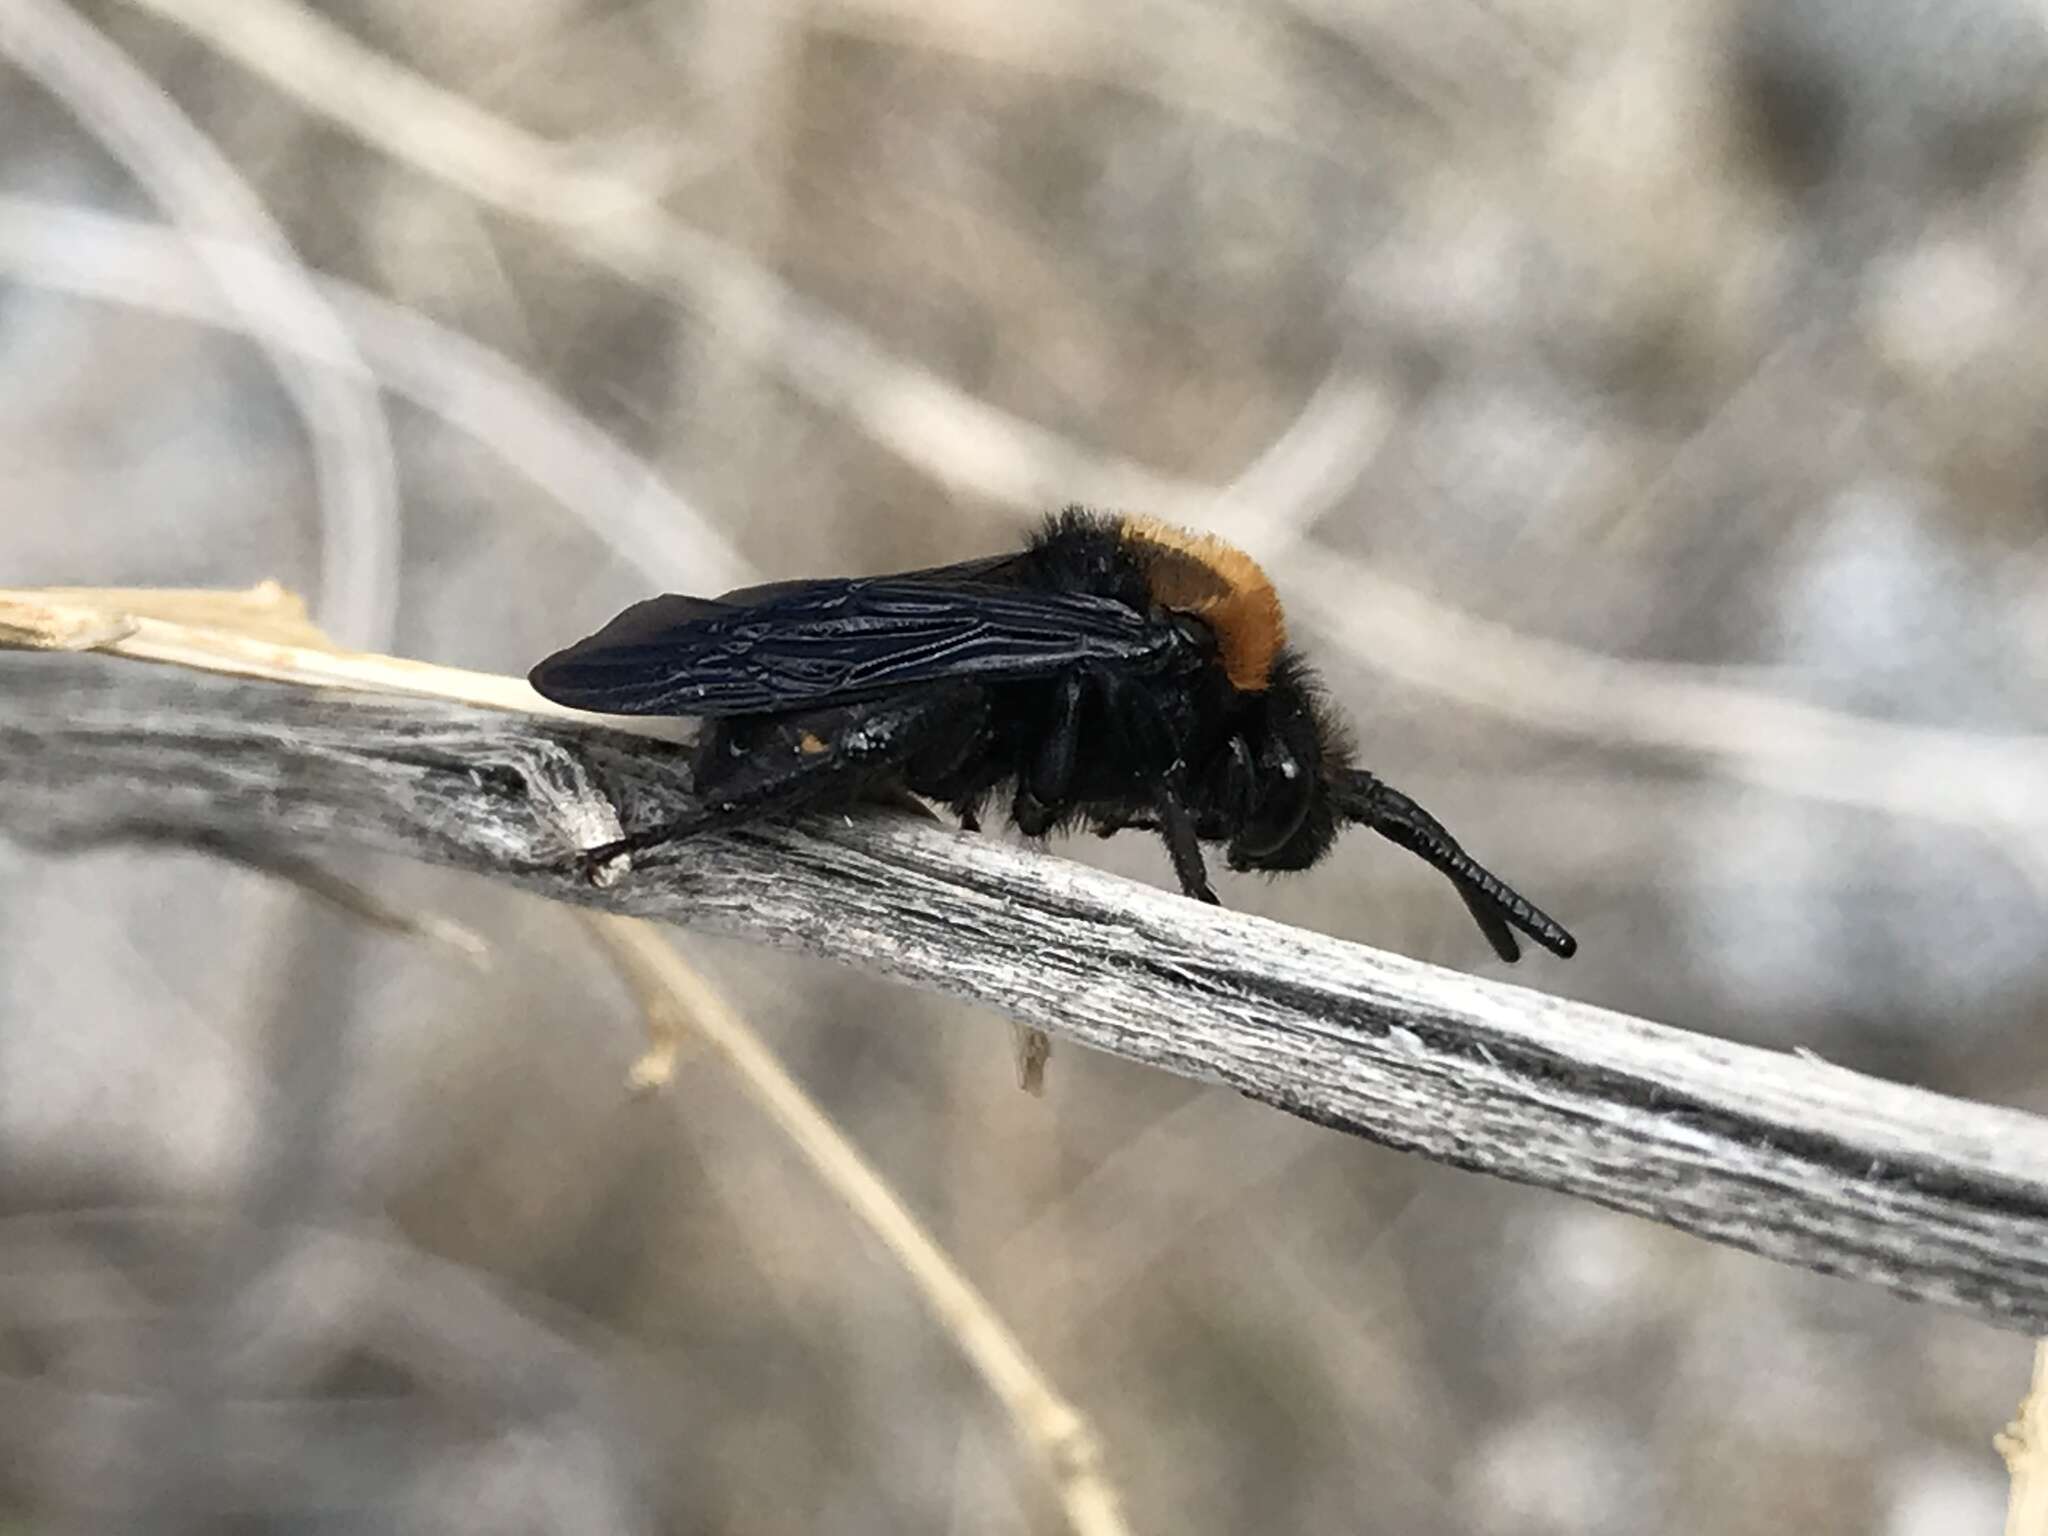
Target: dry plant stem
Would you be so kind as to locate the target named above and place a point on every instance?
(1049, 1425)
(125, 622)
(2024, 1444)
(1796, 1159)
(1034, 1050)
(360, 902)
(666, 1010)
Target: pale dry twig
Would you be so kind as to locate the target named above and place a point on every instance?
(1051, 1427)
(2024, 1445)
(230, 632)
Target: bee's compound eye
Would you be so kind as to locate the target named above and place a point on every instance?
(1280, 804)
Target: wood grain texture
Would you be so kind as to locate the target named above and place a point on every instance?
(1934, 1198)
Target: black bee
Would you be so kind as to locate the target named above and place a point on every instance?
(1118, 672)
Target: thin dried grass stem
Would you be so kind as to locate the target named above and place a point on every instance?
(260, 633)
(2024, 1445)
(1051, 1428)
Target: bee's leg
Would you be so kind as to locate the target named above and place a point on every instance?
(1109, 826)
(944, 768)
(951, 737)
(1052, 776)
(1177, 826)
(1030, 815)
(898, 798)
(593, 863)
(1151, 737)
(830, 757)
(1047, 784)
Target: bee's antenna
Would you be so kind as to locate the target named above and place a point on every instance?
(1492, 902)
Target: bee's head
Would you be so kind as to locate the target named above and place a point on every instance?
(1286, 786)
(1283, 816)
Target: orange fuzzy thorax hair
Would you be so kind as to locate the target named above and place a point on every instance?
(1198, 573)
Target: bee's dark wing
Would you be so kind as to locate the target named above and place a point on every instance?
(989, 570)
(645, 623)
(827, 642)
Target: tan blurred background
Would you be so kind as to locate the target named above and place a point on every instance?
(1704, 341)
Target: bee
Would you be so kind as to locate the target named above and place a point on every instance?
(1117, 673)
